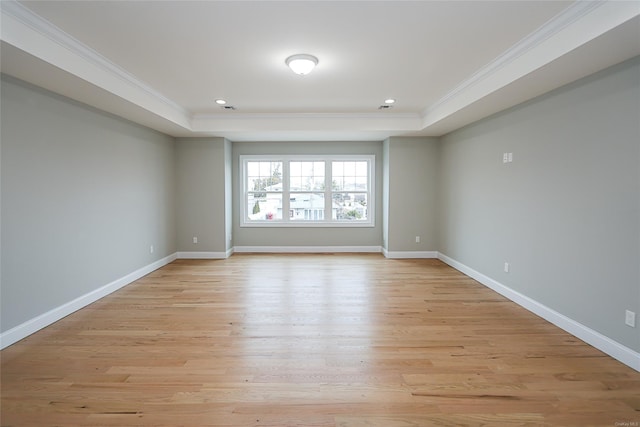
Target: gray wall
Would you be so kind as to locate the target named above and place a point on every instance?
(566, 212)
(410, 187)
(202, 200)
(321, 236)
(84, 196)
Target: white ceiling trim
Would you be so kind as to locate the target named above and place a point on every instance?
(321, 116)
(328, 122)
(29, 32)
(551, 27)
(577, 25)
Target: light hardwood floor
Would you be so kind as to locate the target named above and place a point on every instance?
(311, 340)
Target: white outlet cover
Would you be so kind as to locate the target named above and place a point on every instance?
(630, 318)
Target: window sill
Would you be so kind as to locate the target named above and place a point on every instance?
(306, 224)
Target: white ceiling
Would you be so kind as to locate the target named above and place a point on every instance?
(163, 63)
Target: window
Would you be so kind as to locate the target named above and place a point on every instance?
(311, 190)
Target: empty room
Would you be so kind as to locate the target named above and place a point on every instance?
(320, 213)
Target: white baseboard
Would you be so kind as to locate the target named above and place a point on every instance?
(306, 249)
(616, 350)
(33, 325)
(603, 343)
(409, 254)
(205, 255)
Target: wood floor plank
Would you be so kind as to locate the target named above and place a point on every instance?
(346, 340)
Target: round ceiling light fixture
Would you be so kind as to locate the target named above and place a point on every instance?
(220, 101)
(301, 63)
(389, 101)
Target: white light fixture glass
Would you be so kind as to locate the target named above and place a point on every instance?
(389, 101)
(302, 63)
(220, 101)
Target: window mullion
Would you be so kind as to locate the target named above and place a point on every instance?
(328, 196)
(286, 193)
(245, 192)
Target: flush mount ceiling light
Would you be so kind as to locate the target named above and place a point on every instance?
(389, 101)
(302, 63)
(220, 101)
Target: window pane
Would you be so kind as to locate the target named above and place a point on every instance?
(306, 206)
(264, 176)
(337, 169)
(350, 168)
(306, 176)
(349, 176)
(350, 207)
(362, 169)
(264, 206)
(336, 183)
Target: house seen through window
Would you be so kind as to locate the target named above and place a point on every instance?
(307, 190)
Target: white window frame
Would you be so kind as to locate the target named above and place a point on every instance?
(328, 221)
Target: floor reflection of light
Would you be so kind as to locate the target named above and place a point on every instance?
(310, 321)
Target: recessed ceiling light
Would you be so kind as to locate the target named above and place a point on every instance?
(301, 63)
(389, 101)
(220, 101)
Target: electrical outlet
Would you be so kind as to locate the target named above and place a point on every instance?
(195, 240)
(630, 318)
(417, 239)
(151, 249)
(506, 267)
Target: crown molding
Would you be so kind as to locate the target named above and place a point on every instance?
(45, 28)
(570, 15)
(311, 116)
(575, 26)
(325, 122)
